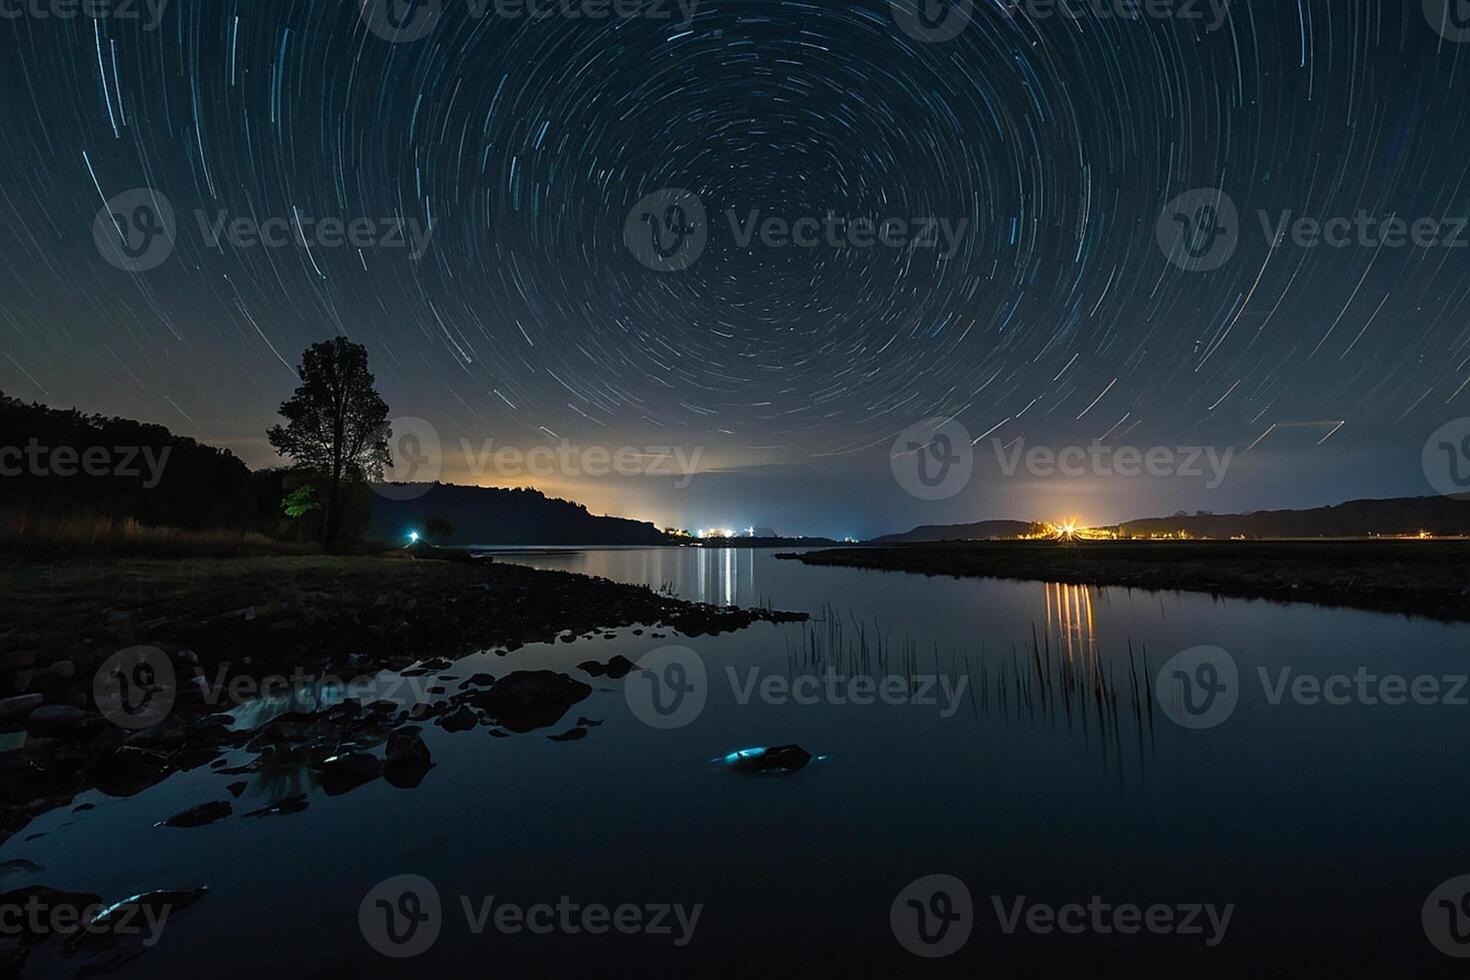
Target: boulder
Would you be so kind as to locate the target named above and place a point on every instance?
(775, 759)
(408, 747)
(461, 719)
(346, 772)
(55, 719)
(18, 709)
(525, 700)
(616, 668)
(200, 815)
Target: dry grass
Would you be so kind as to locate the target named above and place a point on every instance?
(107, 537)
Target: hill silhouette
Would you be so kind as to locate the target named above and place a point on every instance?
(495, 515)
(61, 463)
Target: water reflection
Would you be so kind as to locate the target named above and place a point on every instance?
(306, 698)
(1069, 621)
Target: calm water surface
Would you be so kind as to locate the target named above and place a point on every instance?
(1326, 827)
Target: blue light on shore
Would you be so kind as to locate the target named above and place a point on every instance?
(413, 537)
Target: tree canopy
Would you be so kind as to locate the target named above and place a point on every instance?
(336, 422)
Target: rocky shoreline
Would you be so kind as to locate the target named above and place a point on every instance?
(213, 625)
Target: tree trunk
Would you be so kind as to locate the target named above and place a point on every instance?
(332, 521)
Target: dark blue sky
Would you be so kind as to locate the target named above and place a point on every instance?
(1053, 149)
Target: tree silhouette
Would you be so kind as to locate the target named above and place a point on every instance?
(439, 530)
(336, 423)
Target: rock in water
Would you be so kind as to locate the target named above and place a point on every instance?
(167, 901)
(344, 773)
(56, 719)
(461, 719)
(617, 668)
(291, 804)
(18, 708)
(408, 747)
(525, 700)
(763, 759)
(17, 945)
(408, 760)
(199, 815)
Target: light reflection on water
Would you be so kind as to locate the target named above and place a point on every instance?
(1327, 826)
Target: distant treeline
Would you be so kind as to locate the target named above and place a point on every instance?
(58, 465)
(61, 463)
(65, 466)
(487, 515)
(1356, 518)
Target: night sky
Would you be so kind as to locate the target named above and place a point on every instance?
(1056, 318)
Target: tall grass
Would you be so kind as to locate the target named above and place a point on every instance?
(88, 536)
(1097, 697)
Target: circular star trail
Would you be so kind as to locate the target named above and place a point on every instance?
(520, 145)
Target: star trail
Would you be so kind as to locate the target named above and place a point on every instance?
(454, 193)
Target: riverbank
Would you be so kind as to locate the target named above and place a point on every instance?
(227, 624)
(1423, 578)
